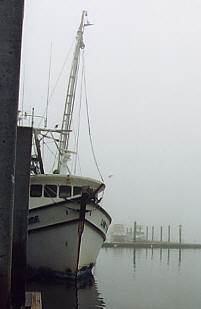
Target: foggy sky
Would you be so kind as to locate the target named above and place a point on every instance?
(143, 63)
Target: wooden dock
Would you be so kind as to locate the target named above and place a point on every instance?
(151, 244)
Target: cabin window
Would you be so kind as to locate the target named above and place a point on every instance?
(64, 191)
(36, 191)
(77, 190)
(50, 191)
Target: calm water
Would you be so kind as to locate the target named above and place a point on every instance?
(137, 279)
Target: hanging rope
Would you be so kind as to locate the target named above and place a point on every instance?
(74, 164)
(89, 129)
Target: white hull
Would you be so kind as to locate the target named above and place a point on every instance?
(54, 241)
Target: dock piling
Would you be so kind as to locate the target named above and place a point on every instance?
(161, 234)
(180, 227)
(168, 233)
(21, 200)
(11, 16)
(147, 233)
(134, 231)
(152, 233)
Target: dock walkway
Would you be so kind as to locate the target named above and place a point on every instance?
(151, 244)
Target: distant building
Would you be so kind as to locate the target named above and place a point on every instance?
(117, 233)
(140, 235)
(120, 233)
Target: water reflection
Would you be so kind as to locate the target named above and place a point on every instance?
(141, 279)
(136, 269)
(161, 254)
(164, 254)
(152, 253)
(168, 256)
(134, 259)
(179, 263)
(67, 295)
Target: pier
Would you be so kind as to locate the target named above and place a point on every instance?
(138, 237)
(152, 244)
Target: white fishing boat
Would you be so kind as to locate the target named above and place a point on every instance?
(66, 224)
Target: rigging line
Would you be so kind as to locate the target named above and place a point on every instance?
(58, 78)
(54, 163)
(60, 72)
(55, 156)
(79, 163)
(77, 155)
(50, 150)
(89, 128)
(48, 87)
(48, 90)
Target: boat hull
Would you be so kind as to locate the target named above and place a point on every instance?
(61, 245)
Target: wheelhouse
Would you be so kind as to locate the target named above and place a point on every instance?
(60, 186)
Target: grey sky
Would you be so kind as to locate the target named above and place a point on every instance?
(143, 61)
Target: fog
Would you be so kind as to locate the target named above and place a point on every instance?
(143, 69)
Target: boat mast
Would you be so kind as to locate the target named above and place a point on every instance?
(64, 154)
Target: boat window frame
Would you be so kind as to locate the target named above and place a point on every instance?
(80, 187)
(41, 191)
(51, 196)
(67, 186)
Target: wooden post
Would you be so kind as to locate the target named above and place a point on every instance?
(147, 233)
(134, 231)
(152, 233)
(11, 16)
(21, 201)
(180, 227)
(161, 234)
(161, 240)
(168, 233)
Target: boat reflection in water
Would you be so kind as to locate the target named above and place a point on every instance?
(63, 294)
